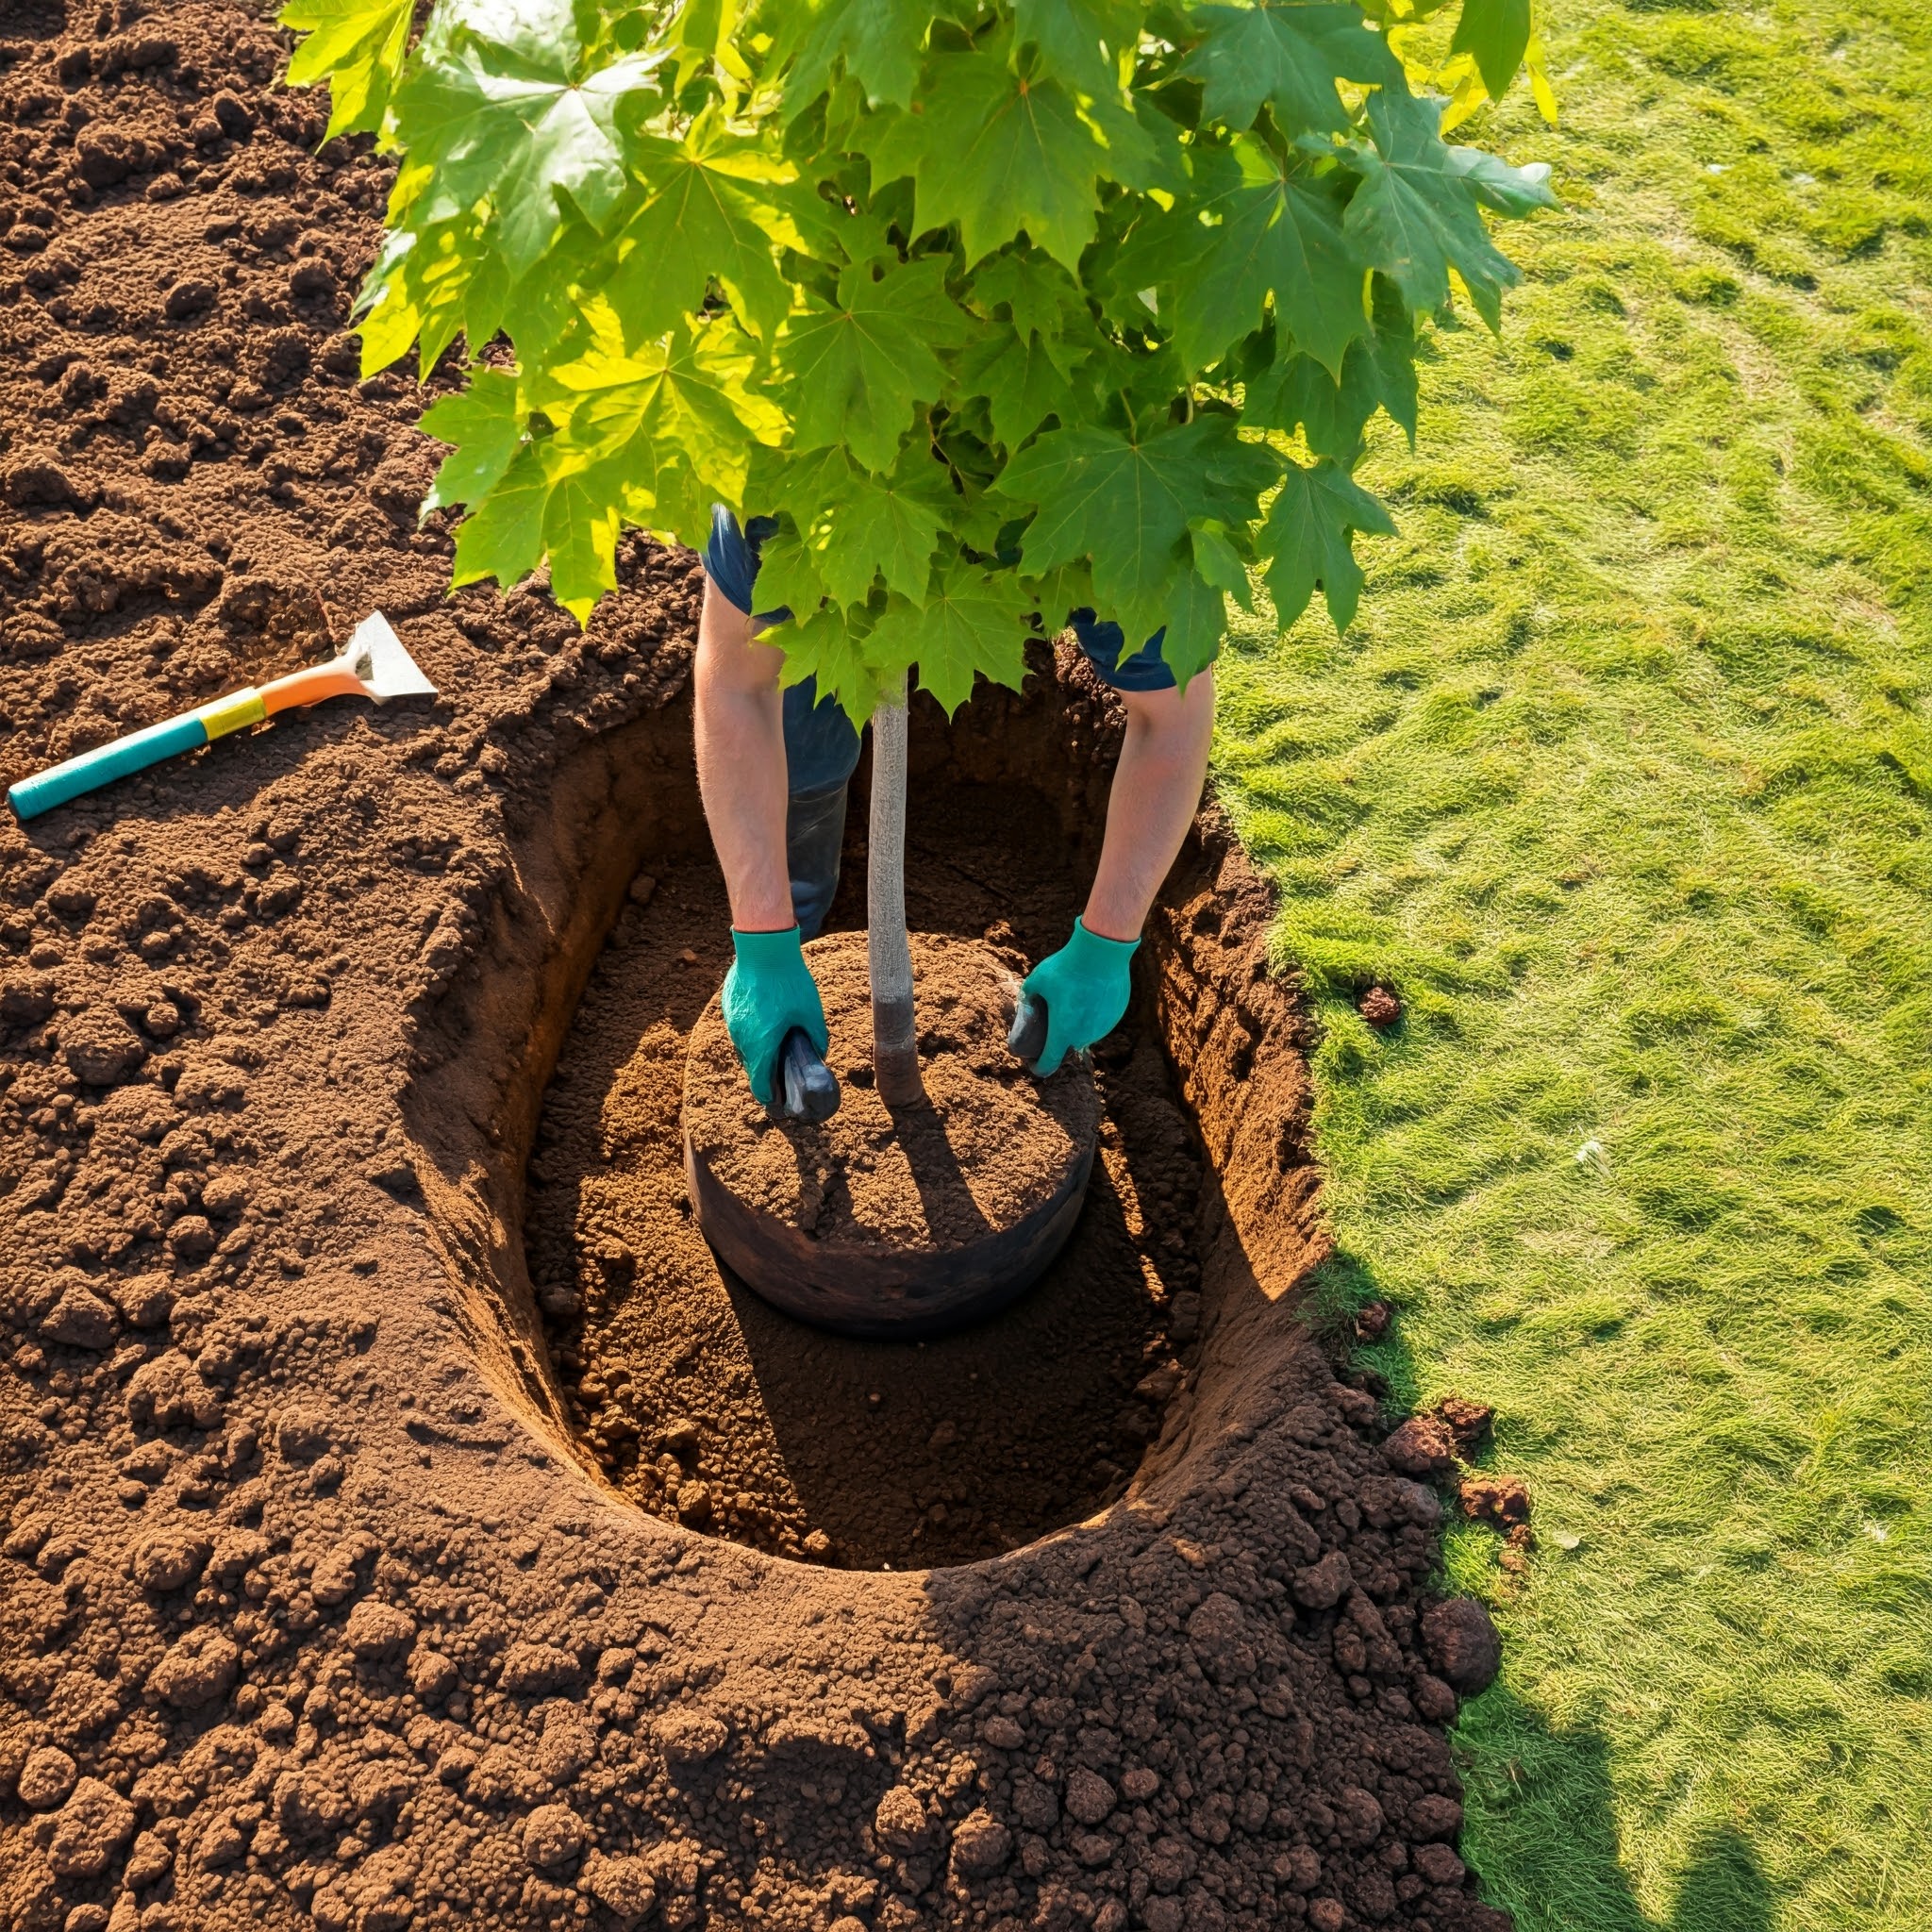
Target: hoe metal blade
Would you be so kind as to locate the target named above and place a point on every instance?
(375, 659)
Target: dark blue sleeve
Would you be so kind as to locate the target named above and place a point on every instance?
(1142, 670)
(731, 561)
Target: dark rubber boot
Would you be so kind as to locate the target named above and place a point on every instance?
(814, 836)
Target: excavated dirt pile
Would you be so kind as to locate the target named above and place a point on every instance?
(317, 1604)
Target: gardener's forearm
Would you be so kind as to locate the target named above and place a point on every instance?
(740, 748)
(1156, 786)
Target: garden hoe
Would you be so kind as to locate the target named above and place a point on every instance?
(372, 664)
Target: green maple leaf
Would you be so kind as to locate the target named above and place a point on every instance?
(1079, 40)
(503, 536)
(652, 485)
(1038, 292)
(1516, 192)
(1290, 55)
(710, 216)
(1378, 371)
(1125, 504)
(836, 650)
(854, 527)
(1021, 378)
(1497, 33)
(358, 47)
(788, 577)
(1001, 153)
(1385, 360)
(1275, 235)
(1218, 561)
(1307, 536)
(972, 624)
(580, 525)
(1415, 214)
(861, 366)
(880, 41)
(543, 304)
(689, 392)
(1196, 624)
(523, 140)
(884, 527)
(485, 422)
(542, 36)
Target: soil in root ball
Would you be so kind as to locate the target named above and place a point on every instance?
(704, 1404)
(992, 1145)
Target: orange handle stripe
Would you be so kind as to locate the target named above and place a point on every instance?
(308, 687)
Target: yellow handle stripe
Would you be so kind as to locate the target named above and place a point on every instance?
(235, 712)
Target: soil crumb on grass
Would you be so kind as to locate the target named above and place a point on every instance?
(706, 1405)
(991, 1148)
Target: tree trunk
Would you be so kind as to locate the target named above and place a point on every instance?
(895, 1031)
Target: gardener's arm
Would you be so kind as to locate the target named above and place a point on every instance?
(741, 744)
(1156, 786)
(740, 727)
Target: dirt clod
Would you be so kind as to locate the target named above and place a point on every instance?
(553, 1836)
(981, 1845)
(1462, 1644)
(169, 1560)
(378, 1631)
(623, 1886)
(1379, 1006)
(899, 1821)
(81, 1320)
(46, 1778)
(101, 1047)
(94, 1823)
(1468, 1423)
(1422, 1447)
(1500, 1500)
(1323, 1585)
(196, 1671)
(1090, 1797)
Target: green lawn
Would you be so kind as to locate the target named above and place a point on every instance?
(1623, 779)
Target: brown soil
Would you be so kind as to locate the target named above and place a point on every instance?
(315, 1605)
(989, 1149)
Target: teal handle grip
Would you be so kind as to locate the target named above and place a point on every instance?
(106, 762)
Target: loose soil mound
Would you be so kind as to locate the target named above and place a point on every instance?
(314, 1604)
(991, 1148)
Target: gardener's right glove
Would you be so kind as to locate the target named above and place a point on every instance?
(1086, 986)
(768, 992)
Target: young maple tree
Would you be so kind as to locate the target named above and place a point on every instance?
(1004, 308)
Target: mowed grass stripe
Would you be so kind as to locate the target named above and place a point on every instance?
(1623, 779)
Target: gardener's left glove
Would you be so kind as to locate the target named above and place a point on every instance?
(1085, 986)
(768, 992)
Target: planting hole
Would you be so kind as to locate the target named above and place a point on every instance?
(705, 1405)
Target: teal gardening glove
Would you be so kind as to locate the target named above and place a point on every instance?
(768, 992)
(1086, 987)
